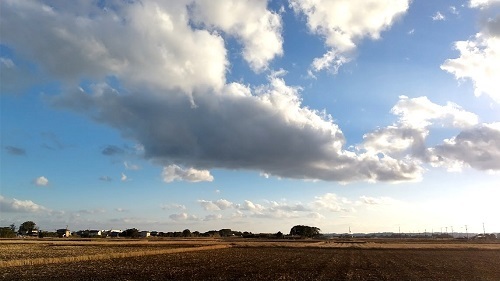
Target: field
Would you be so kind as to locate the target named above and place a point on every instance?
(238, 259)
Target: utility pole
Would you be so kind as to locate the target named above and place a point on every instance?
(484, 231)
(466, 232)
(452, 231)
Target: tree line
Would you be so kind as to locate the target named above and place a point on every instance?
(29, 228)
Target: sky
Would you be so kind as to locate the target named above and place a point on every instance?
(369, 115)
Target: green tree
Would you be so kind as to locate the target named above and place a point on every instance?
(225, 232)
(27, 227)
(131, 232)
(305, 231)
(186, 233)
(7, 232)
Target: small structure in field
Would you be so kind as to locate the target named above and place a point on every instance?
(145, 234)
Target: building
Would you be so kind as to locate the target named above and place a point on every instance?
(145, 234)
(63, 232)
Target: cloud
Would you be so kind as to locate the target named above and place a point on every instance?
(438, 17)
(112, 150)
(15, 150)
(217, 205)
(213, 217)
(41, 181)
(375, 200)
(124, 177)
(250, 206)
(258, 29)
(343, 23)
(175, 173)
(52, 141)
(331, 202)
(121, 210)
(174, 101)
(173, 206)
(315, 216)
(477, 147)
(482, 3)
(130, 166)
(420, 112)
(105, 178)
(173, 54)
(406, 137)
(479, 58)
(183, 217)
(479, 61)
(14, 205)
(285, 206)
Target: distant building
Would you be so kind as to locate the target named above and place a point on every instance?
(114, 233)
(63, 232)
(145, 234)
(94, 233)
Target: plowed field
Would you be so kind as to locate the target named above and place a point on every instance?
(280, 262)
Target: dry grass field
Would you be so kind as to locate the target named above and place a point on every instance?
(238, 259)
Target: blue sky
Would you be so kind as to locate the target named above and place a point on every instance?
(251, 115)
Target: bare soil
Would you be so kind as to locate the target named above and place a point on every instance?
(283, 261)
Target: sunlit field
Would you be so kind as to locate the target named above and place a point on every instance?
(247, 259)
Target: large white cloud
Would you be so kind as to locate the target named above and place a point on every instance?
(172, 96)
(344, 22)
(479, 61)
(416, 116)
(145, 43)
(477, 147)
(479, 58)
(250, 21)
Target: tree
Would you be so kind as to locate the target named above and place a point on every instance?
(27, 227)
(7, 232)
(131, 232)
(305, 231)
(279, 235)
(186, 233)
(225, 232)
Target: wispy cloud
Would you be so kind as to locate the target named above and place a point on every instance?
(130, 166)
(173, 206)
(105, 178)
(14, 150)
(438, 17)
(110, 150)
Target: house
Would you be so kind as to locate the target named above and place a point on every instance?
(145, 234)
(114, 233)
(63, 232)
(94, 233)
